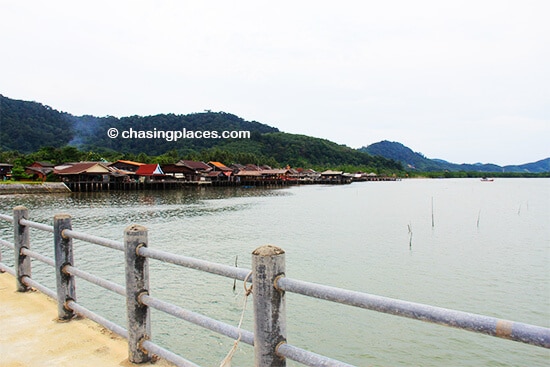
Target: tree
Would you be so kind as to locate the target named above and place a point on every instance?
(69, 154)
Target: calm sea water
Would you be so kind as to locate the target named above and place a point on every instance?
(464, 244)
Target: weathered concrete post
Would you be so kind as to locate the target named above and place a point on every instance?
(63, 250)
(21, 241)
(268, 262)
(137, 283)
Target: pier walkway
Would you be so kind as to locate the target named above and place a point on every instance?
(31, 336)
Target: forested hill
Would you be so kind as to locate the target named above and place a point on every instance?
(418, 162)
(28, 126)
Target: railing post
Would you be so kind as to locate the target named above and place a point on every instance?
(65, 282)
(21, 241)
(268, 262)
(137, 283)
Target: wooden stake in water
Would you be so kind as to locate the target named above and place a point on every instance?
(410, 235)
(235, 280)
(478, 216)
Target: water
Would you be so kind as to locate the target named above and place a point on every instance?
(487, 252)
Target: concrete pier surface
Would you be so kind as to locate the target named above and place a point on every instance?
(31, 336)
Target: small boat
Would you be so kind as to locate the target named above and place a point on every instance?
(486, 179)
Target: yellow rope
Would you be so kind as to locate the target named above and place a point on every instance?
(247, 291)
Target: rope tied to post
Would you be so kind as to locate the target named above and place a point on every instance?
(247, 291)
(226, 362)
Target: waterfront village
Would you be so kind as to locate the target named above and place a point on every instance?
(130, 175)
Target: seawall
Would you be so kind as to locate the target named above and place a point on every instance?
(45, 188)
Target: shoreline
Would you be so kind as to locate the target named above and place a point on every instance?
(61, 188)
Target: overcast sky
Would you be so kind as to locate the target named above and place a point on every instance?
(464, 81)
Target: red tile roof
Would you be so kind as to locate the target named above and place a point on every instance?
(149, 170)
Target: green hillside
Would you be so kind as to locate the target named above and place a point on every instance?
(31, 127)
(26, 126)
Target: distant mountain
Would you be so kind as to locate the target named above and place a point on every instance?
(416, 161)
(539, 166)
(29, 126)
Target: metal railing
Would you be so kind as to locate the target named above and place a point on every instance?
(269, 285)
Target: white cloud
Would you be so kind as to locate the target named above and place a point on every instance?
(354, 72)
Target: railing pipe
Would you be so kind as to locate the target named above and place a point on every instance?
(39, 257)
(36, 225)
(166, 354)
(137, 283)
(268, 263)
(197, 264)
(7, 218)
(308, 358)
(2, 242)
(107, 284)
(6, 269)
(198, 319)
(517, 331)
(65, 282)
(21, 240)
(29, 282)
(94, 239)
(84, 312)
(7, 244)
